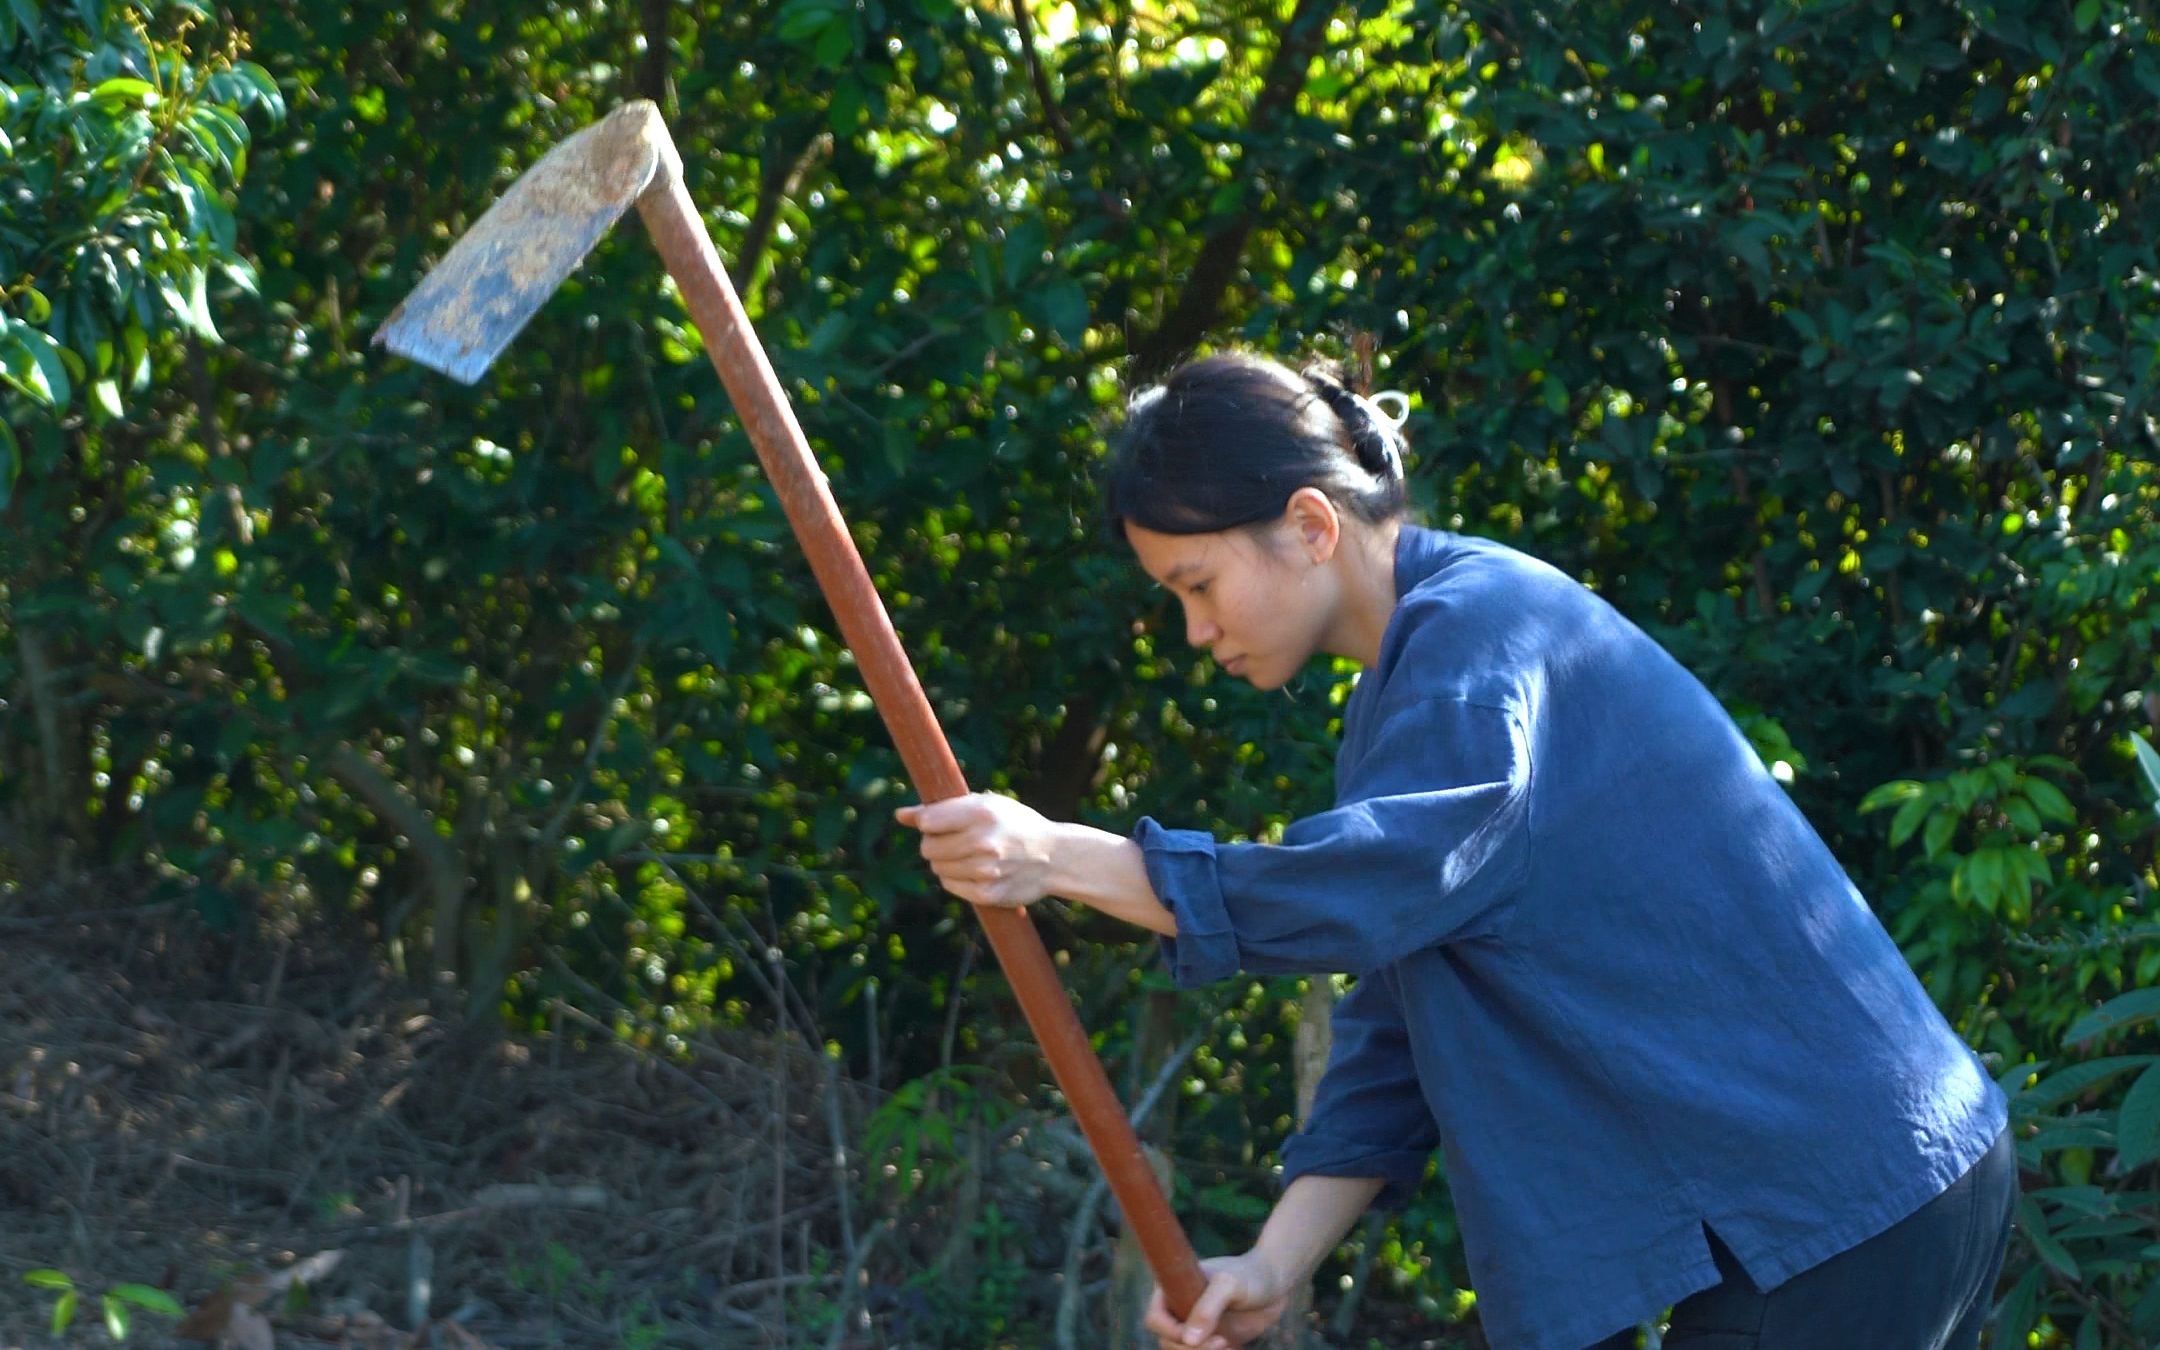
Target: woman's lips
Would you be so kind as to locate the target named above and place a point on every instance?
(1234, 666)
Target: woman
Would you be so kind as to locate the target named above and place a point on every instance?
(1603, 963)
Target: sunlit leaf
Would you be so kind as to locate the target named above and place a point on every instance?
(149, 1298)
(2148, 764)
(36, 364)
(2124, 1010)
(126, 90)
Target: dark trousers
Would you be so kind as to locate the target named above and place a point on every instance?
(1927, 1283)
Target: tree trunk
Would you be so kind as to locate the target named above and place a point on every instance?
(1309, 1054)
(1131, 1282)
(56, 816)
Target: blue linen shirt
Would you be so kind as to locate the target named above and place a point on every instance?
(1603, 963)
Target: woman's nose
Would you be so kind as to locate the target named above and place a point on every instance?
(1200, 630)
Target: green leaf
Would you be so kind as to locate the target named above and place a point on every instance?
(2085, 15)
(1940, 827)
(2049, 801)
(10, 464)
(126, 91)
(1984, 879)
(835, 45)
(116, 1317)
(2034, 1225)
(198, 296)
(37, 367)
(1024, 244)
(1907, 820)
(248, 85)
(2149, 762)
(715, 636)
(148, 1298)
(1065, 306)
(63, 1313)
(2137, 1123)
(241, 273)
(2077, 1080)
(2012, 1079)
(1897, 790)
(48, 1278)
(2015, 1317)
(2125, 1010)
(801, 20)
(2022, 814)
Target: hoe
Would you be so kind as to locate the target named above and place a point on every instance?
(469, 307)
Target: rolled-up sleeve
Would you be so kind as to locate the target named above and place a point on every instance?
(1181, 866)
(1369, 1116)
(1429, 841)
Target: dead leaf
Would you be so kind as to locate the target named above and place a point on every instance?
(365, 1330)
(212, 1318)
(306, 1272)
(224, 1318)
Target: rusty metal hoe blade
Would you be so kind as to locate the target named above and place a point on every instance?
(469, 307)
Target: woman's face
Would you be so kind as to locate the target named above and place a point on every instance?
(1257, 600)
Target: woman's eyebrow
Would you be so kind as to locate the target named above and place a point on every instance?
(1182, 569)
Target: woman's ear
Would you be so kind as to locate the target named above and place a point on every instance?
(1313, 523)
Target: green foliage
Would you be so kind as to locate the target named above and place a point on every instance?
(122, 153)
(1819, 338)
(117, 1303)
(2093, 1233)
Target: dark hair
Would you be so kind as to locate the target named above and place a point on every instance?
(1224, 441)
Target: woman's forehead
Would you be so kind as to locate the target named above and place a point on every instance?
(1171, 558)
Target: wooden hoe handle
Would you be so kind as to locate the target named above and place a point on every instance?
(688, 250)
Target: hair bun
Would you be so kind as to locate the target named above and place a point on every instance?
(1375, 437)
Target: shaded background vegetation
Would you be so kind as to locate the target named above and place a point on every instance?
(1819, 338)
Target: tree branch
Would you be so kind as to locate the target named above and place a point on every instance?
(1052, 113)
(438, 861)
(653, 75)
(1200, 303)
(778, 177)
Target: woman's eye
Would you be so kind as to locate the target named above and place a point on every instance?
(1200, 589)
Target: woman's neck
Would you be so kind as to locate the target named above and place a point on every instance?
(1368, 597)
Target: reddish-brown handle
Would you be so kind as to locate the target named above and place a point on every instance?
(770, 421)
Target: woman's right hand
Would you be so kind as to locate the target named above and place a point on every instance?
(1244, 1297)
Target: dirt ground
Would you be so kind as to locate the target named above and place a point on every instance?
(298, 1154)
(295, 1151)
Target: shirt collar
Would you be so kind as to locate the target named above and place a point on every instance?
(1419, 553)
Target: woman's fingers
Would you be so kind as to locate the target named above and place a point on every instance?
(1158, 1322)
(1200, 1323)
(943, 817)
(978, 847)
(960, 844)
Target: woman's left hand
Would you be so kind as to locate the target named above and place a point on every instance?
(986, 849)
